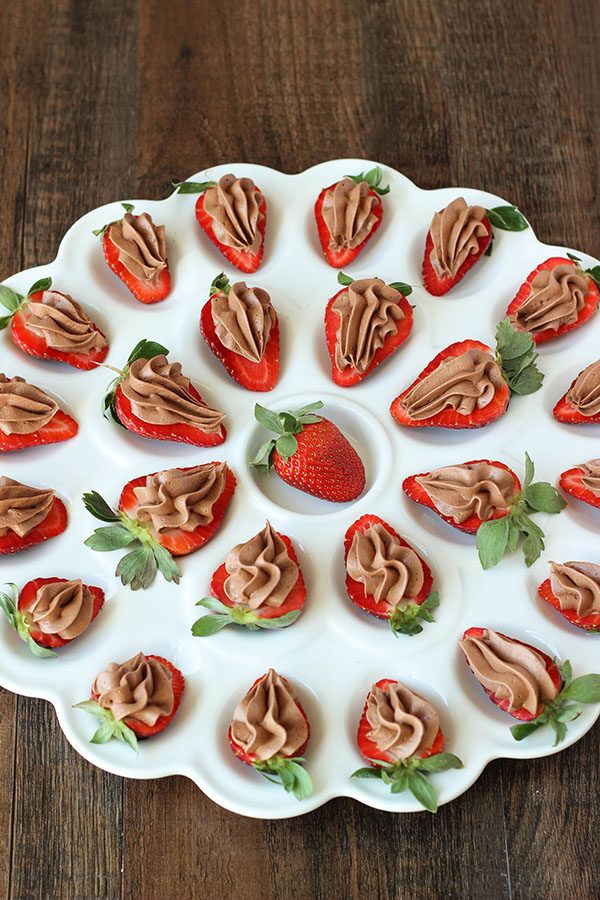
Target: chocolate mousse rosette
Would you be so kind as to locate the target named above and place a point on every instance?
(348, 213)
(583, 482)
(527, 683)
(232, 212)
(386, 577)
(49, 613)
(458, 237)
(400, 735)
(29, 417)
(165, 514)
(270, 732)
(573, 589)
(581, 404)
(136, 251)
(485, 498)
(468, 385)
(50, 325)
(364, 323)
(28, 515)
(260, 585)
(152, 397)
(557, 297)
(240, 325)
(134, 700)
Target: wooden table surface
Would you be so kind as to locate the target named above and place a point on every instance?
(114, 99)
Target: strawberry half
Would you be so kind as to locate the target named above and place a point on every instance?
(350, 376)
(244, 260)
(145, 291)
(590, 300)
(568, 414)
(155, 551)
(508, 526)
(129, 730)
(340, 258)
(565, 706)
(33, 344)
(404, 618)
(53, 525)
(409, 774)
(254, 376)
(119, 407)
(61, 427)
(588, 623)
(310, 453)
(507, 218)
(516, 357)
(571, 481)
(228, 613)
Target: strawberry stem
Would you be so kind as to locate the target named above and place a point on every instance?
(288, 772)
(9, 605)
(286, 425)
(411, 774)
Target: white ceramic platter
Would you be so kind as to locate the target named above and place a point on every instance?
(334, 652)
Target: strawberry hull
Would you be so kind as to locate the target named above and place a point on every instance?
(180, 432)
(144, 731)
(588, 623)
(53, 525)
(340, 258)
(417, 492)
(371, 751)
(356, 590)
(146, 292)
(241, 259)
(521, 713)
(450, 418)
(61, 427)
(177, 541)
(571, 481)
(349, 376)
(27, 597)
(260, 376)
(568, 415)
(437, 285)
(295, 599)
(36, 346)
(590, 301)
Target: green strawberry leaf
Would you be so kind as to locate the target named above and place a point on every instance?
(219, 285)
(10, 300)
(268, 419)
(286, 445)
(524, 729)
(373, 178)
(105, 732)
(208, 625)
(402, 287)
(517, 356)
(43, 284)
(573, 257)
(421, 788)
(109, 727)
(543, 497)
(110, 537)
(490, 247)
(8, 604)
(99, 508)
(167, 565)
(585, 689)
(280, 622)
(5, 322)
(15, 618)
(507, 218)
(344, 279)
(566, 672)
(527, 382)
(300, 783)
(138, 568)
(440, 762)
(192, 187)
(529, 470)
(594, 274)
(128, 207)
(492, 541)
(146, 350)
(367, 772)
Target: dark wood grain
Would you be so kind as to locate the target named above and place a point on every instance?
(115, 98)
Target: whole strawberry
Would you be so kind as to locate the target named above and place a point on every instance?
(310, 453)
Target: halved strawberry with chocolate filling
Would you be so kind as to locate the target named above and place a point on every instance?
(152, 398)
(348, 213)
(29, 417)
(28, 515)
(411, 751)
(232, 212)
(259, 581)
(557, 297)
(160, 686)
(467, 385)
(485, 498)
(136, 251)
(158, 512)
(573, 589)
(458, 237)
(410, 569)
(47, 623)
(583, 482)
(50, 325)
(241, 327)
(510, 671)
(364, 323)
(581, 403)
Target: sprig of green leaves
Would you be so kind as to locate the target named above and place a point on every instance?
(109, 726)
(139, 567)
(400, 286)
(100, 232)
(192, 187)
(507, 218)
(10, 607)
(12, 301)
(411, 774)
(144, 349)
(373, 177)
(405, 618)
(220, 285)
(290, 773)
(517, 357)
(224, 615)
(565, 707)
(497, 536)
(285, 425)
